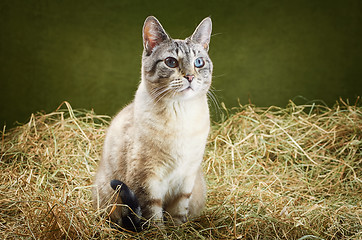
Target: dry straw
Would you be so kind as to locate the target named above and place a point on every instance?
(273, 173)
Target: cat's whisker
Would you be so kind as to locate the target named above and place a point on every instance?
(176, 84)
(217, 76)
(157, 91)
(214, 98)
(214, 101)
(158, 95)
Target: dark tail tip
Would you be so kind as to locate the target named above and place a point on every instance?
(132, 220)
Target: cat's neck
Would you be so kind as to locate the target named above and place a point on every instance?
(169, 108)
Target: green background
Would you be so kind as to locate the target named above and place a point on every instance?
(89, 52)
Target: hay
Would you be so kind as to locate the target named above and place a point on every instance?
(275, 173)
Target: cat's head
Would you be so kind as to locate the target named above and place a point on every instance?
(176, 69)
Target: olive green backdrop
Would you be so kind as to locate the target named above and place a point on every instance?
(89, 52)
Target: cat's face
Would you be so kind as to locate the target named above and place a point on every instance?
(176, 69)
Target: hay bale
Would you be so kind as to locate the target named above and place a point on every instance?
(288, 173)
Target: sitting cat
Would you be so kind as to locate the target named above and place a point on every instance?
(154, 147)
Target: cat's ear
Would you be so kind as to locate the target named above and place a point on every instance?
(153, 34)
(202, 33)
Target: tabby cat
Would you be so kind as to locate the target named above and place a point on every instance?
(151, 163)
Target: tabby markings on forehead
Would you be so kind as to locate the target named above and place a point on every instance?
(184, 48)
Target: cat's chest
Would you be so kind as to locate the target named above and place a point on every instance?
(177, 132)
(187, 139)
(188, 128)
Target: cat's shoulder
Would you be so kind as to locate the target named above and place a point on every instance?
(124, 117)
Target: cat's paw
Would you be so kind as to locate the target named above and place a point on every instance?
(154, 222)
(179, 220)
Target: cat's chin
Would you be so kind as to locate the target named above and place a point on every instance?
(188, 94)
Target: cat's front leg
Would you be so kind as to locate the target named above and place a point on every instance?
(152, 203)
(179, 207)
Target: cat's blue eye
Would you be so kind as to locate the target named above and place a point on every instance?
(171, 62)
(199, 62)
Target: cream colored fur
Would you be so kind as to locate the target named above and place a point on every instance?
(156, 147)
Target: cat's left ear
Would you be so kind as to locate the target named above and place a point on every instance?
(202, 33)
(153, 34)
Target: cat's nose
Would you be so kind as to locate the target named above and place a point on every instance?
(189, 77)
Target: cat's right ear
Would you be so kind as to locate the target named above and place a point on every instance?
(153, 34)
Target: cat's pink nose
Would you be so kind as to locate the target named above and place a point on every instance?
(189, 77)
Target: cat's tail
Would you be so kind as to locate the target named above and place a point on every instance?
(132, 219)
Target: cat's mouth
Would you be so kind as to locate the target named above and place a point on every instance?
(187, 89)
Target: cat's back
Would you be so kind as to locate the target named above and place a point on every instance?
(118, 133)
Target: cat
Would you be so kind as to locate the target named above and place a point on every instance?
(151, 163)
